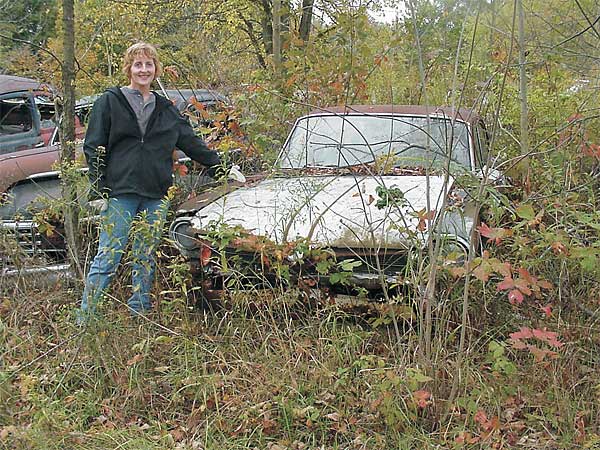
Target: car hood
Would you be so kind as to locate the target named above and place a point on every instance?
(336, 211)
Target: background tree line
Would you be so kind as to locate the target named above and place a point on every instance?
(331, 53)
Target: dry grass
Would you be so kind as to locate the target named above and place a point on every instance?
(267, 373)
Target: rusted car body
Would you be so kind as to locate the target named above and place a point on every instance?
(362, 187)
(23, 124)
(29, 152)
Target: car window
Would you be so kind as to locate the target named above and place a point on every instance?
(342, 141)
(19, 122)
(16, 115)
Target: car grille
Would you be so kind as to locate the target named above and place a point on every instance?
(391, 262)
(22, 238)
(388, 261)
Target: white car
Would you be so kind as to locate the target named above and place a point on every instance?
(355, 193)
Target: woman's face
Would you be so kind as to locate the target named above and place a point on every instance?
(142, 72)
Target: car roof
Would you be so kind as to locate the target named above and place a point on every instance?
(202, 95)
(12, 83)
(465, 114)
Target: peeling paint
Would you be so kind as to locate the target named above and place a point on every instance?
(333, 211)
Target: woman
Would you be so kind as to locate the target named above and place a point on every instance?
(128, 146)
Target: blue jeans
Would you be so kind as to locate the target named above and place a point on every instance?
(116, 224)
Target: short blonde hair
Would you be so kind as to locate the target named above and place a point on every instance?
(145, 49)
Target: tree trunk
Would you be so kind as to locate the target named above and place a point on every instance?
(306, 21)
(66, 112)
(523, 83)
(277, 34)
(267, 26)
(254, 40)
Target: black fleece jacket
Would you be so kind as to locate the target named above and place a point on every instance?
(132, 162)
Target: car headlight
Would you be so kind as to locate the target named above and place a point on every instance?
(183, 235)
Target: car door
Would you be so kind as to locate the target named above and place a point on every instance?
(19, 122)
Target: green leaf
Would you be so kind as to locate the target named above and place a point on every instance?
(526, 212)
(349, 264)
(323, 266)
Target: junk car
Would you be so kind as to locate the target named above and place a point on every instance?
(29, 151)
(354, 196)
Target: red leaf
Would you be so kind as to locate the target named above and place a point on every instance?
(559, 248)
(181, 169)
(523, 273)
(550, 337)
(539, 354)
(508, 283)
(523, 333)
(522, 285)
(421, 398)
(481, 418)
(493, 234)
(515, 297)
(518, 345)
(504, 269)
(547, 310)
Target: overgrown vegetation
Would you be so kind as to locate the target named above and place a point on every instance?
(506, 357)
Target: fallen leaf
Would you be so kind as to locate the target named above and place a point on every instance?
(136, 359)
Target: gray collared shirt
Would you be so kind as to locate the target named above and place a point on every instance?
(143, 110)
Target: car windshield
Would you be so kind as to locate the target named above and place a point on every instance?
(349, 140)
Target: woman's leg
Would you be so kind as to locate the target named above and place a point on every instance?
(115, 225)
(153, 213)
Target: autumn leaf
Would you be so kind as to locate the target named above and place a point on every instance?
(550, 337)
(544, 284)
(466, 438)
(136, 359)
(493, 234)
(482, 273)
(547, 310)
(457, 272)
(481, 417)
(422, 398)
(424, 217)
(172, 71)
(523, 333)
(291, 80)
(507, 283)
(524, 273)
(523, 286)
(539, 354)
(380, 59)
(504, 269)
(334, 417)
(558, 248)
(180, 169)
(515, 297)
